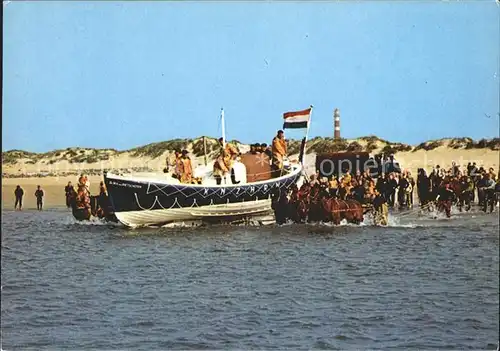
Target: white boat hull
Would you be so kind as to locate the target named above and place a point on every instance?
(225, 212)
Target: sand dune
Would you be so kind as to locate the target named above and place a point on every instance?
(64, 165)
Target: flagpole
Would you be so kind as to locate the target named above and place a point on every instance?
(223, 135)
(307, 134)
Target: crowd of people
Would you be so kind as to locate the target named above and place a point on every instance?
(442, 187)
(460, 186)
(397, 189)
(349, 196)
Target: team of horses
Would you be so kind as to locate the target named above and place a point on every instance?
(313, 203)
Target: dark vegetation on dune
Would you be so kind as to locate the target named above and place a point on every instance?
(461, 143)
(338, 145)
(196, 147)
(493, 144)
(199, 148)
(157, 149)
(427, 146)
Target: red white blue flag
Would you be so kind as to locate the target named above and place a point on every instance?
(297, 119)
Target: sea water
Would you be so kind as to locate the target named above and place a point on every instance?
(420, 283)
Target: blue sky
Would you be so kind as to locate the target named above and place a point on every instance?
(123, 74)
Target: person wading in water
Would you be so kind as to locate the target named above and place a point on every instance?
(84, 180)
(381, 209)
(19, 193)
(39, 198)
(69, 190)
(445, 197)
(488, 188)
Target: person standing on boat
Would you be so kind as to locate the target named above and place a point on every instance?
(19, 193)
(266, 150)
(176, 164)
(187, 168)
(224, 162)
(279, 151)
(39, 198)
(219, 169)
(229, 153)
(253, 149)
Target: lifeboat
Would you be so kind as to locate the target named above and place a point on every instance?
(143, 200)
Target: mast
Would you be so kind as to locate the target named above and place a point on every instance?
(305, 138)
(223, 127)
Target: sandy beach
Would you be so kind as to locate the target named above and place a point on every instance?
(53, 188)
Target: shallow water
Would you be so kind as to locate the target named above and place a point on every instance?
(422, 283)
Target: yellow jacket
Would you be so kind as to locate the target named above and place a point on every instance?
(279, 147)
(187, 170)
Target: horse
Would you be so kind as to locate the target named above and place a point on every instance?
(335, 210)
(301, 206)
(316, 211)
(331, 207)
(315, 204)
(354, 211)
(279, 204)
(293, 205)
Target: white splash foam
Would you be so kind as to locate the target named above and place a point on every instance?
(91, 221)
(395, 222)
(189, 224)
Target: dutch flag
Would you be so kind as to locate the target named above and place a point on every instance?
(297, 119)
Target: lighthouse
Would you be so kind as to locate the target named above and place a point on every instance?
(336, 124)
